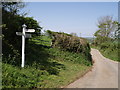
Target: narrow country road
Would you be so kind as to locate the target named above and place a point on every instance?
(103, 75)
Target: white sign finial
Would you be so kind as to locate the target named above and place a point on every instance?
(24, 26)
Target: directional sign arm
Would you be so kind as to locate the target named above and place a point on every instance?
(28, 35)
(19, 33)
(30, 30)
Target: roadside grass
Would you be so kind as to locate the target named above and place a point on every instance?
(45, 67)
(110, 53)
(71, 73)
(29, 77)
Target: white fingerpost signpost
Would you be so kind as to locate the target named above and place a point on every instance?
(24, 35)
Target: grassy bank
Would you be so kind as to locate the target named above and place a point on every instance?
(14, 77)
(111, 54)
(109, 50)
(45, 67)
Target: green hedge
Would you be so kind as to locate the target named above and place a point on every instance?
(70, 43)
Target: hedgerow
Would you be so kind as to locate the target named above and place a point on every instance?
(70, 43)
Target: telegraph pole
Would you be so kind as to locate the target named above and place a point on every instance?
(80, 35)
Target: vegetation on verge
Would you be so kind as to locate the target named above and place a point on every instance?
(70, 43)
(109, 50)
(45, 67)
(107, 37)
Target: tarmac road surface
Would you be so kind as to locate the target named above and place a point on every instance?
(103, 75)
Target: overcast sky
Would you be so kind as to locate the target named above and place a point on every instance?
(68, 17)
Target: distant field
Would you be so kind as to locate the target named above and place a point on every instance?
(90, 39)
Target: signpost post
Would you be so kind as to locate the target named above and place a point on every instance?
(24, 35)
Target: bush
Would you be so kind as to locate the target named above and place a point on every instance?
(70, 43)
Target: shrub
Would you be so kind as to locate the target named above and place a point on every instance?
(70, 43)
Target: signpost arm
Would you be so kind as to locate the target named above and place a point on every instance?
(23, 45)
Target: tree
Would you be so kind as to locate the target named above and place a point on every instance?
(106, 26)
(13, 7)
(106, 29)
(10, 42)
(31, 23)
(12, 22)
(117, 33)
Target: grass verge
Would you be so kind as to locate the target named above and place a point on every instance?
(45, 67)
(33, 78)
(109, 53)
